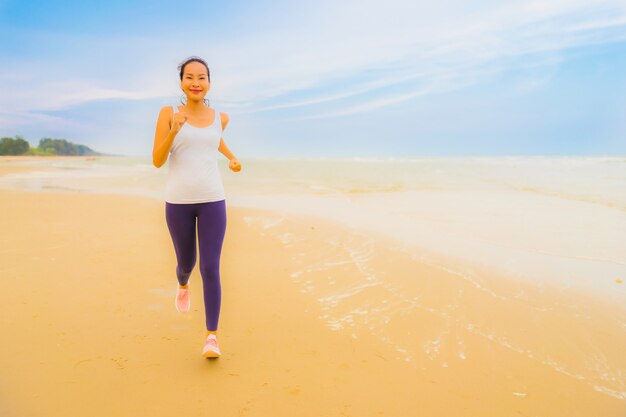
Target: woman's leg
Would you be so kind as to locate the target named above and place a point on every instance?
(181, 222)
(211, 230)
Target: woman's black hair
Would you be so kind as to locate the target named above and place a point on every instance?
(181, 69)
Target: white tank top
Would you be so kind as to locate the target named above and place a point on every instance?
(193, 175)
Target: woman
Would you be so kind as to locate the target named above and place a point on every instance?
(191, 136)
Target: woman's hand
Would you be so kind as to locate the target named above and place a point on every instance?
(234, 165)
(178, 120)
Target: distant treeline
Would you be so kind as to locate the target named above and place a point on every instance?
(47, 146)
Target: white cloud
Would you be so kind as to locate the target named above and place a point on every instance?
(400, 41)
(332, 51)
(24, 119)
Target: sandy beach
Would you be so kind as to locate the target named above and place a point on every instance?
(309, 325)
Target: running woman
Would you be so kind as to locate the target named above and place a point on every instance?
(191, 136)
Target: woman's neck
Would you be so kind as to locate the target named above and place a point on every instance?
(195, 106)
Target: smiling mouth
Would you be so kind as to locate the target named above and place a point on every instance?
(195, 91)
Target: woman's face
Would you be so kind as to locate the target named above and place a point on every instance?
(195, 82)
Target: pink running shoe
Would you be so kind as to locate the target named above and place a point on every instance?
(182, 300)
(211, 349)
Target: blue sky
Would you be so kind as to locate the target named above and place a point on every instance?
(324, 78)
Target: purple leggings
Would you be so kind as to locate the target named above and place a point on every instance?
(181, 221)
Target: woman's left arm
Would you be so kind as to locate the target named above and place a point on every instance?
(223, 148)
(234, 164)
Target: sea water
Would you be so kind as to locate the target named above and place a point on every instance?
(551, 220)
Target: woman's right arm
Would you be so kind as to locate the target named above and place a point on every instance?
(163, 138)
